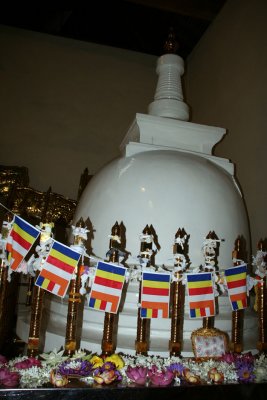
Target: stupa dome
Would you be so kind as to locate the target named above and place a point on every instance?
(168, 189)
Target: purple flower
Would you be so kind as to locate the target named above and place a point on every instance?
(28, 363)
(245, 373)
(137, 374)
(3, 360)
(77, 367)
(8, 378)
(160, 377)
(177, 369)
(108, 365)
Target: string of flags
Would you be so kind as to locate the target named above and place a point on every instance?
(59, 265)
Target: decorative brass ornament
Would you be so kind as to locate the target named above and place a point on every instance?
(209, 343)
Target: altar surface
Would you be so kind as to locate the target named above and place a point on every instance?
(199, 392)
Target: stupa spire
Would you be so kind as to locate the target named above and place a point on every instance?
(168, 99)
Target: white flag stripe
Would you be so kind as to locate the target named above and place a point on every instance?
(156, 299)
(106, 289)
(201, 297)
(56, 288)
(237, 290)
(16, 246)
(57, 271)
(207, 311)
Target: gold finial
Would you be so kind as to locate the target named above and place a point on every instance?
(171, 45)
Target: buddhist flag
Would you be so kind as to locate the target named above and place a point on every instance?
(155, 295)
(20, 240)
(107, 287)
(58, 269)
(236, 279)
(201, 295)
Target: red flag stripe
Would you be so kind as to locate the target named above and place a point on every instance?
(155, 291)
(199, 291)
(103, 305)
(108, 282)
(60, 264)
(22, 242)
(154, 313)
(235, 284)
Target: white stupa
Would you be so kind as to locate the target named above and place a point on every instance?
(166, 176)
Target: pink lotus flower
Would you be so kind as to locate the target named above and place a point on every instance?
(137, 374)
(160, 377)
(28, 363)
(3, 360)
(8, 378)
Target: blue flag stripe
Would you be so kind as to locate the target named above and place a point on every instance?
(114, 269)
(66, 251)
(26, 227)
(235, 270)
(199, 277)
(156, 277)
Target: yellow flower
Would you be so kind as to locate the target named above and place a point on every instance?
(116, 359)
(96, 361)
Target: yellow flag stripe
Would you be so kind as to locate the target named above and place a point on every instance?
(155, 284)
(62, 257)
(238, 277)
(24, 234)
(192, 285)
(110, 275)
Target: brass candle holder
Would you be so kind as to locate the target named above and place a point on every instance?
(3, 280)
(178, 293)
(261, 296)
(34, 340)
(236, 344)
(143, 324)
(75, 298)
(211, 251)
(108, 344)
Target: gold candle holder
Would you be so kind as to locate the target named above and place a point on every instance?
(75, 299)
(236, 344)
(34, 340)
(73, 303)
(211, 255)
(33, 347)
(107, 344)
(143, 324)
(108, 341)
(261, 299)
(178, 294)
(29, 292)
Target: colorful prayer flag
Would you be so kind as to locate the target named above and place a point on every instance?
(20, 240)
(201, 295)
(58, 269)
(107, 287)
(236, 279)
(155, 295)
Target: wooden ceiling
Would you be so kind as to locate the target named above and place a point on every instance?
(137, 25)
